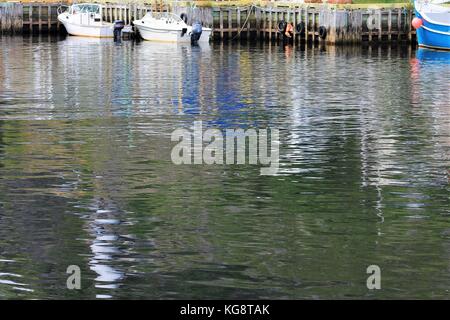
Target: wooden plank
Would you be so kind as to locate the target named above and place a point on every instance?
(258, 22)
(389, 25)
(40, 18)
(314, 26)
(270, 24)
(248, 24)
(264, 24)
(230, 23)
(299, 20)
(408, 21)
(294, 22)
(49, 17)
(277, 16)
(58, 24)
(238, 20)
(306, 23)
(221, 23)
(380, 24)
(30, 10)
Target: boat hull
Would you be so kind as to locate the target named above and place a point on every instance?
(165, 35)
(105, 30)
(433, 35)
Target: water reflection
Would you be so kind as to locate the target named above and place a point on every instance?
(424, 54)
(86, 176)
(103, 247)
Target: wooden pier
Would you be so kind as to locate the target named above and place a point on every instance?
(230, 23)
(343, 26)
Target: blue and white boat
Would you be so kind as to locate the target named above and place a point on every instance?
(432, 23)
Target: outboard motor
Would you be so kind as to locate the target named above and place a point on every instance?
(196, 32)
(118, 26)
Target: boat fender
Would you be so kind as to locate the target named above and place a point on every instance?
(417, 23)
(300, 28)
(184, 17)
(322, 32)
(282, 26)
(289, 30)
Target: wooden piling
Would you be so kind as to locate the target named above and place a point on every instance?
(270, 24)
(31, 18)
(389, 25)
(313, 31)
(49, 18)
(258, 22)
(39, 19)
(238, 18)
(230, 24)
(221, 23)
(249, 23)
(306, 24)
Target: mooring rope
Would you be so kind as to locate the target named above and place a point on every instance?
(245, 22)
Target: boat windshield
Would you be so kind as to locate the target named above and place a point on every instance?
(86, 8)
(166, 15)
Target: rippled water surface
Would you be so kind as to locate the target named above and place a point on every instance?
(86, 176)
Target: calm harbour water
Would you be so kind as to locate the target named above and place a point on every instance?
(86, 177)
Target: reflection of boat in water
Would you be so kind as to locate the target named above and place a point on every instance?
(86, 41)
(433, 55)
(172, 74)
(169, 27)
(105, 247)
(432, 23)
(86, 20)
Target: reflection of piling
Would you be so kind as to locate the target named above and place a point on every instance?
(341, 25)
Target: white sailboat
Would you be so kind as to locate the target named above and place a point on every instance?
(169, 27)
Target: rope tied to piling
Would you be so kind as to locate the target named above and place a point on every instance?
(249, 11)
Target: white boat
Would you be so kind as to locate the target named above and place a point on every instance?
(86, 20)
(169, 27)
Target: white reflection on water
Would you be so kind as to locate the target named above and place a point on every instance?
(103, 247)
